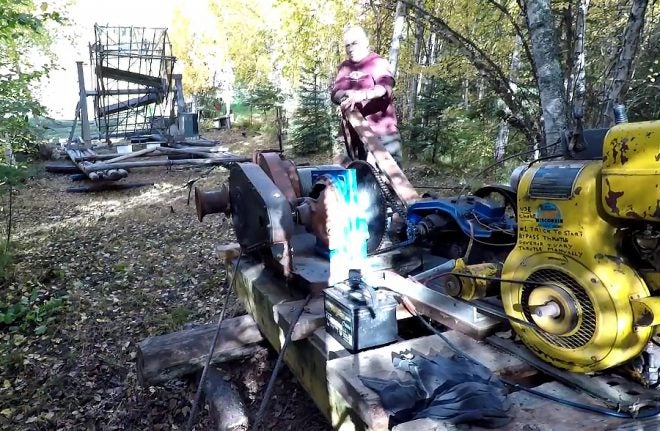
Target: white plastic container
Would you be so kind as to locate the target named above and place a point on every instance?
(153, 145)
(124, 149)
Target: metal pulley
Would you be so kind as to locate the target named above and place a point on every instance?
(472, 281)
(212, 202)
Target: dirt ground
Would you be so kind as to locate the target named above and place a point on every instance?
(102, 271)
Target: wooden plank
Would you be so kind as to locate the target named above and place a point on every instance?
(134, 77)
(533, 413)
(343, 372)
(259, 292)
(312, 318)
(135, 102)
(619, 392)
(540, 414)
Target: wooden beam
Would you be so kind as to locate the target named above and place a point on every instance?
(136, 78)
(343, 373)
(135, 102)
(259, 292)
(312, 318)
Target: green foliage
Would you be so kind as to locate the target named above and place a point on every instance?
(643, 99)
(426, 134)
(174, 319)
(311, 131)
(264, 97)
(31, 311)
(255, 108)
(23, 37)
(22, 31)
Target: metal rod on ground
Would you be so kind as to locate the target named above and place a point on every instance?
(194, 151)
(130, 155)
(200, 386)
(278, 364)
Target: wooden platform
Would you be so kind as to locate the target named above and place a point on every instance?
(329, 373)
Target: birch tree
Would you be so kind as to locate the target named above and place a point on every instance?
(413, 89)
(497, 79)
(622, 72)
(503, 131)
(551, 88)
(577, 80)
(399, 20)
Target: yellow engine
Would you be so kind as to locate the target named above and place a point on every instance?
(587, 257)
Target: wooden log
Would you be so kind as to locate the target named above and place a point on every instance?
(185, 151)
(168, 356)
(62, 167)
(150, 163)
(227, 410)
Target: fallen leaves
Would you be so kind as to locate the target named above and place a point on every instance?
(129, 268)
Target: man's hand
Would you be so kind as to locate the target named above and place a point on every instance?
(351, 98)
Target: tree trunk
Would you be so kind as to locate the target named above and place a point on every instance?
(623, 70)
(577, 82)
(567, 36)
(399, 18)
(465, 92)
(487, 68)
(503, 132)
(416, 78)
(551, 88)
(481, 89)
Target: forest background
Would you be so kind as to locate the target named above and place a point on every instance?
(477, 80)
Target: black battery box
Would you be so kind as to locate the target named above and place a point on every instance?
(360, 317)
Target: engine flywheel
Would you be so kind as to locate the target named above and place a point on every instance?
(560, 307)
(581, 316)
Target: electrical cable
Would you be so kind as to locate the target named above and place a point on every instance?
(491, 227)
(470, 242)
(492, 244)
(198, 394)
(499, 162)
(591, 408)
(278, 365)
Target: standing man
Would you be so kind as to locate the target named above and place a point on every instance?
(365, 82)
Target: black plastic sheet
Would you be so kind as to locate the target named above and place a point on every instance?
(451, 389)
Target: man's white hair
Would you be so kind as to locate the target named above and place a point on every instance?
(357, 31)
